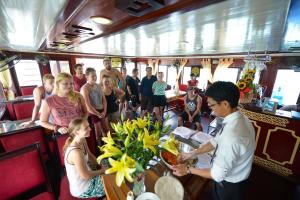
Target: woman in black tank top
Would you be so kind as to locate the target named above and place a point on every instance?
(112, 95)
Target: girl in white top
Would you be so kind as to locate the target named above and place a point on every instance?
(84, 183)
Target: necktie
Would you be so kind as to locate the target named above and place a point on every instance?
(214, 154)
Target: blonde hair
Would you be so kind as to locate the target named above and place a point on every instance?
(74, 126)
(73, 97)
(48, 77)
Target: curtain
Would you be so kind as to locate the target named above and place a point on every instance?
(206, 63)
(7, 83)
(223, 65)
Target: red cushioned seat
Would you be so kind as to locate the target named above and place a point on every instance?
(44, 196)
(23, 109)
(64, 193)
(22, 170)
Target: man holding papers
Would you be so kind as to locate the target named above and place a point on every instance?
(233, 146)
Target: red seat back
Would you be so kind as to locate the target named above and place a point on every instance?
(23, 109)
(60, 141)
(21, 171)
(11, 142)
(182, 87)
(27, 90)
(10, 110)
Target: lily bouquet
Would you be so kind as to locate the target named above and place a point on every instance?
(130, 148)
(245, 84)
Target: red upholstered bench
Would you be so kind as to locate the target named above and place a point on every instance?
(14, 141)
(23, 109)
(22, 172)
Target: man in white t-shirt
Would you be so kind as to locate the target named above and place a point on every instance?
(233, 146)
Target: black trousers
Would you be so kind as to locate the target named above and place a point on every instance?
(229, 191)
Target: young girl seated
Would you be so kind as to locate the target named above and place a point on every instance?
(84, 183)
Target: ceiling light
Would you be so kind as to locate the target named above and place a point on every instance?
(101, 20)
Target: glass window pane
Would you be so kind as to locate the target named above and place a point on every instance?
(163, 69)
(28, 73)
(130, 66)
(227, 74)
(95, 63)
(172, 73)
(64, 66)
(203, 79)
(59, 66)
(186, 75)
(286, 92)
(142, 72)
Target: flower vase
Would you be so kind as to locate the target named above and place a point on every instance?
(248, 97)
(139, 184)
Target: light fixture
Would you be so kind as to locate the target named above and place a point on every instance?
(101, 20)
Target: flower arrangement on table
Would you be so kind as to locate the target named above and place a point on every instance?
(246, 86)
(132, 145)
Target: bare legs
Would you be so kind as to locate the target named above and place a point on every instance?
(159, 111)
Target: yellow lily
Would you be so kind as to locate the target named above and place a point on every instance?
(149, 141)
(171, 145)
(124, 168)
(140, 123)
(109, 151)
(108, 140)
(118, 128)
(128, 127)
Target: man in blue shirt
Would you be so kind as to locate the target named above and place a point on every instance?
(146, 92)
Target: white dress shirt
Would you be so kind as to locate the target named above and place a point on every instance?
(235, 151)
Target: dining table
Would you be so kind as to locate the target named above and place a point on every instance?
(193, 185)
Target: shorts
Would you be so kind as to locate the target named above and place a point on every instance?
(94, 118)
(159, 100)
(185, 117)
(147, 103)
(135, 101)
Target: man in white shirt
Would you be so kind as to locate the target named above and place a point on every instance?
(233, 146)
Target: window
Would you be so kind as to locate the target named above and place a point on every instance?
(163, 69)
(227, 74)
(186, 75)
(172, 74)
(95, 63)
(286, 92)
(142, 70)
(28, 73)
(59, 66)
(203, 79)
(130, 66)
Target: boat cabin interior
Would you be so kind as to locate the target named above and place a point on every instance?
(128, 63)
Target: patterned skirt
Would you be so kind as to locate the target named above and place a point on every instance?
(95, 189)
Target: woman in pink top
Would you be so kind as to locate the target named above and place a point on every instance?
(64, 105)
(79, 78)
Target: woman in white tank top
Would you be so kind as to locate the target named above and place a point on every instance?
(84, 183)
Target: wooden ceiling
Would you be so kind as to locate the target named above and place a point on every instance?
(180, 27)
